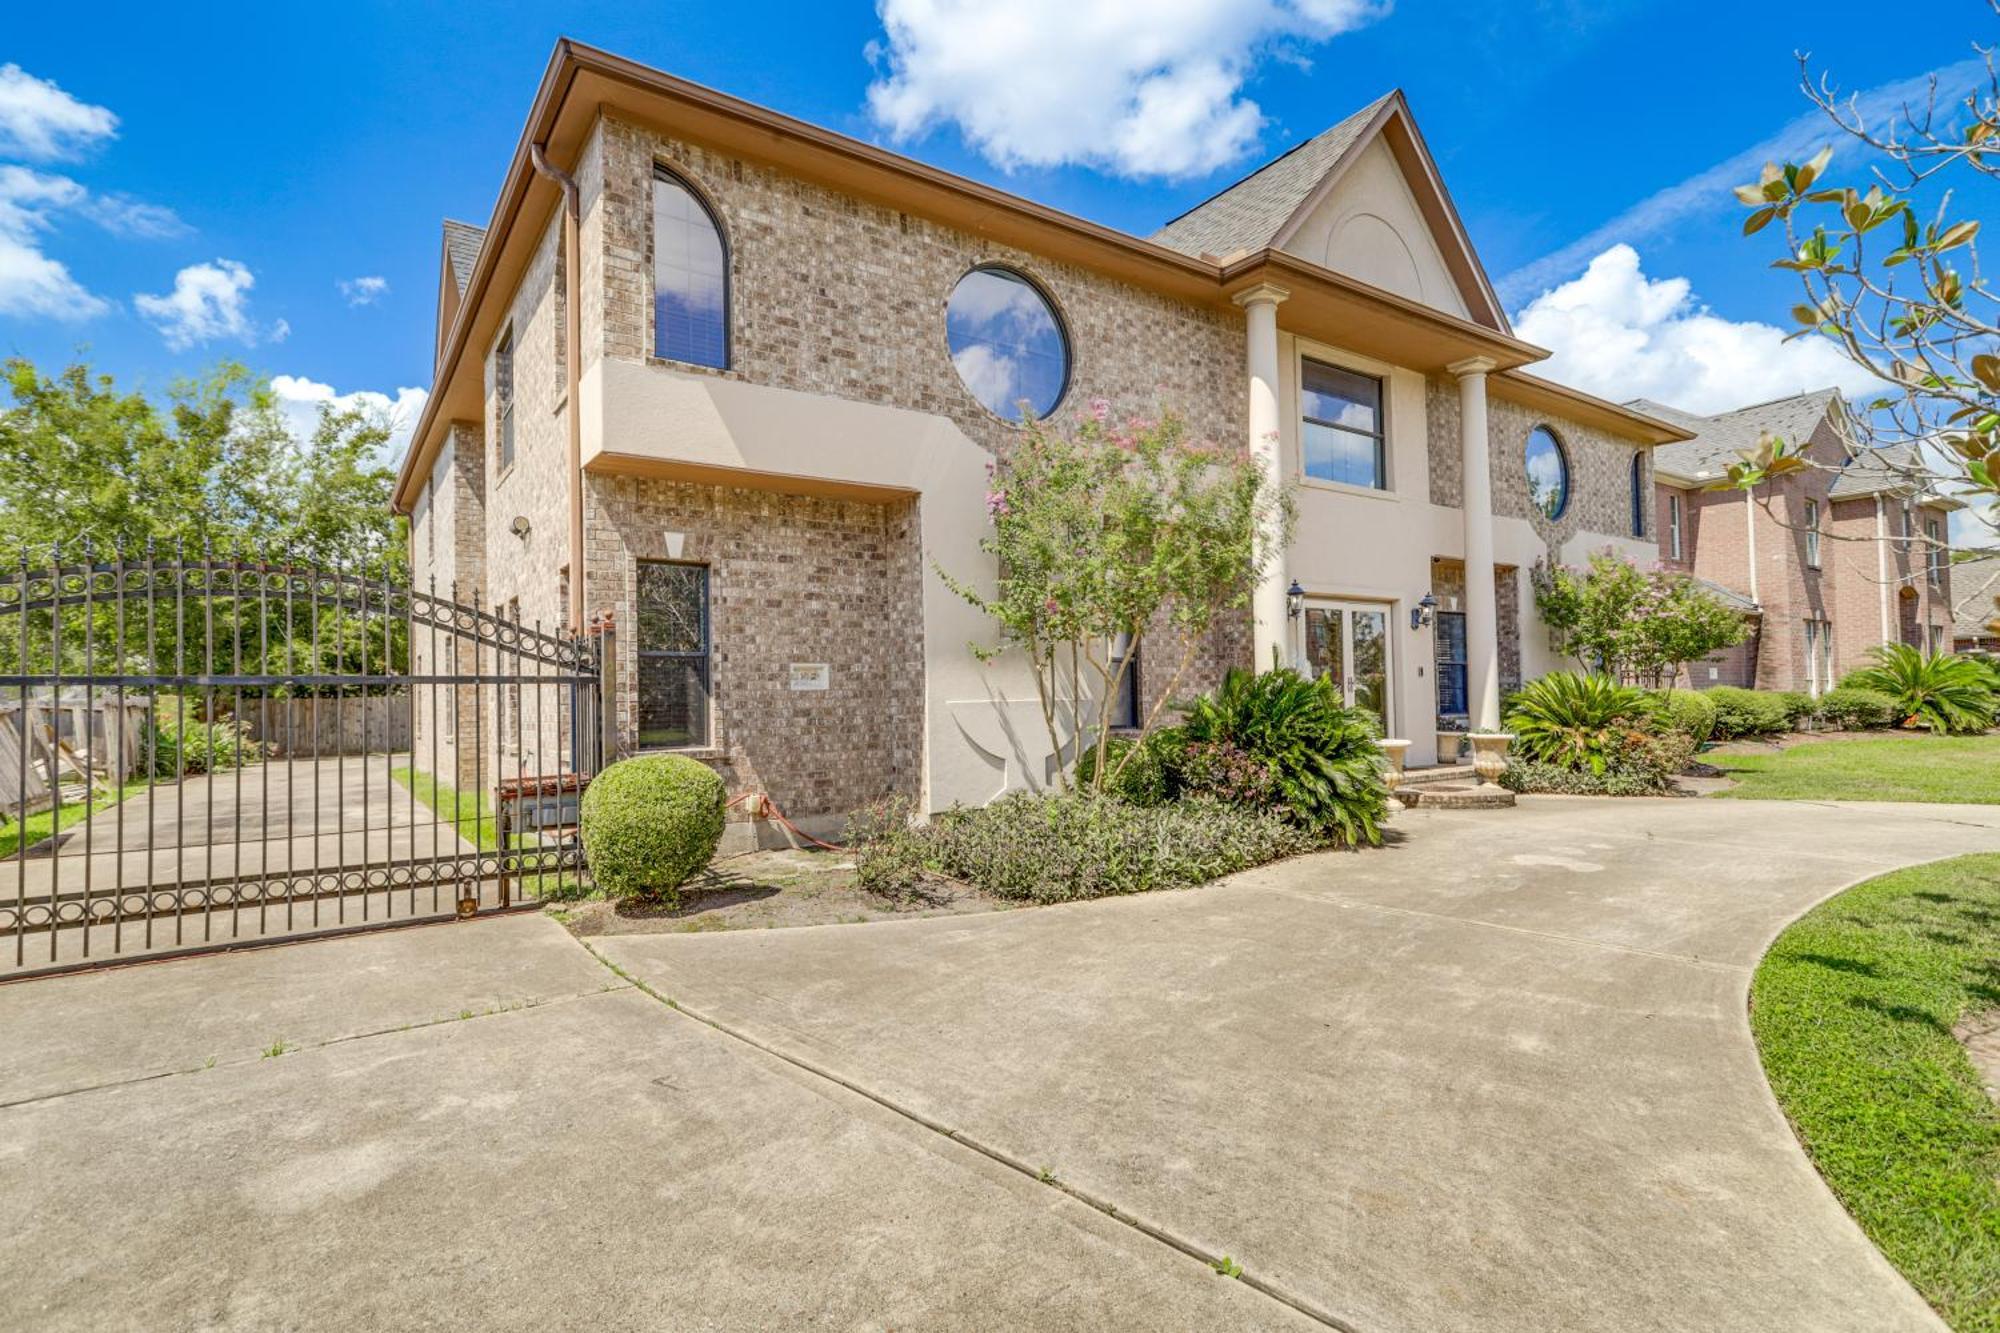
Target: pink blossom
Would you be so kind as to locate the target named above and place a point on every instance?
(1100, 409)
(996, 504)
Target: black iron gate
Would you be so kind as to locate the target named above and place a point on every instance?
(201, 753)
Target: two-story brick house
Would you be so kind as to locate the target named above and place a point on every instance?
(1827, 561)
(747, 376)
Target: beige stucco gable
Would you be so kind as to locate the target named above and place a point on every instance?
(1368, 226)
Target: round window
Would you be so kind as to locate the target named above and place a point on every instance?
(1548, 472)
(1007, 343)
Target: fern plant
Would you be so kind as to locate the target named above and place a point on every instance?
(1577, 722)
(1322, 755)
(1950, 695)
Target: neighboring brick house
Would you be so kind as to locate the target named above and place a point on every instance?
(796, 354)
(1976, 604)
(1832, 560)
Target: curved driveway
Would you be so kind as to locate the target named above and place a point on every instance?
(1498, 1076)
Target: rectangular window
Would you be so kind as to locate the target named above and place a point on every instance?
(1642, 495)
(1341, 435)
(1125, 666)
(673, 653)
(1453, 710)
(1812, 534)
(1674, 526)
(503, 399)
(1936, 554)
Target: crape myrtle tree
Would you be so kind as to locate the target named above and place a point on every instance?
(1640, 626)
(1112, 537)
(92, 472)
(1887, 261)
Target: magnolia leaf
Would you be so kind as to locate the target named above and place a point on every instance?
(1856, 215)
(1759, 220)
(1895, 257)
(1956, 235)
(1810, 172)
(1750, 195)
(1986, 369)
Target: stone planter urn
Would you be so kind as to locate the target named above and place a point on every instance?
(1397, 753)
(1489, 755)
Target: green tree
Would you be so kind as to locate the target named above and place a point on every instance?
(1111, 537)
(1638, 625)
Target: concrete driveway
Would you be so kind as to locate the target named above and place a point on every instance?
(1496, 1077)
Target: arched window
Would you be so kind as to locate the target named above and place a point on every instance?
(1548, 472)
(690, 277)
(1006, 343)
(1641, 501)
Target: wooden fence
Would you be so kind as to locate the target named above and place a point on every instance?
(367, 724)
(61, 749)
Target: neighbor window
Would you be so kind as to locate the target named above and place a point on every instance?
(1937, 555)
(673, 654)
(1341, 435)
(1674, 525)
(1548, 473)
(1641, 495)
(1812, 534)
(690, 277)
(503, 398)
(1007, 344)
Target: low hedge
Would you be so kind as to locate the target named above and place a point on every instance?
(1740, 712)
(1690, 712)
(1555, 780)
(1049, 849)
(650, 823)
(1851, 708)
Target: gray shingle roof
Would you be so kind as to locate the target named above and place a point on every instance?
(1720, 440)
(461, 246)
(1249, 213)
(1872, 471)
(1974, 585)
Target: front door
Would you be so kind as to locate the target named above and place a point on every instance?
(1349, 641)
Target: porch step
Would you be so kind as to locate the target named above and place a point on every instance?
(1429, 777)
(1447, 796)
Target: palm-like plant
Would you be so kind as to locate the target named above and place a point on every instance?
(1576, 721)
(1327, 767)
(1950, 695)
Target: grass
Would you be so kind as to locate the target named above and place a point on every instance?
(1958, 769)
(41, 825)
(469, 812)
(1854, 1010)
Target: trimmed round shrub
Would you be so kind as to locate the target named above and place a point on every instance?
(1740, 712)
(649, 823)
(1851, 708)
(1690, 712)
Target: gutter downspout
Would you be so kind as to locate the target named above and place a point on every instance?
(1882, 561)
(573, 355)
(1750, 526)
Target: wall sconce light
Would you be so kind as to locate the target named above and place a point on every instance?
(1424, 614)
(1295, 600)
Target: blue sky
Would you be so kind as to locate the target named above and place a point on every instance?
(264, 158)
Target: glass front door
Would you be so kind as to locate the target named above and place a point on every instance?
(1349, 641)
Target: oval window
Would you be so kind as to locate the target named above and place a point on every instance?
(1548, 472)
(1007, 344)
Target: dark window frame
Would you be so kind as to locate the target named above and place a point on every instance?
(705, 655)
(1125, 710)
(1380, 435)
(1568, 471)
(1641, 493)
(1451, 669)
(663, 172)
(503, 401)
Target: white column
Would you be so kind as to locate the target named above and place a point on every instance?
(1260, 309)
(1482, 604)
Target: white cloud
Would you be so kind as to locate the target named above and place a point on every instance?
(301, 399)
(40, 122)
(33, 283)
(209, 301)
(1618, 334)
(1138, 89)
(1709, 191)
(363, 291)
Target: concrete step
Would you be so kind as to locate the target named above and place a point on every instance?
(1426, 777)
(1466, 796)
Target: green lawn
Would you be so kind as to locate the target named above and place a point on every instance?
(1853, 1009)
(471, 812)
(1891, 768)
(40, 826)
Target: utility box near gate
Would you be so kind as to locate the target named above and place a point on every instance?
(539, 804)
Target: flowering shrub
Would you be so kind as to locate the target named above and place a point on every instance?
(1637, 625)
